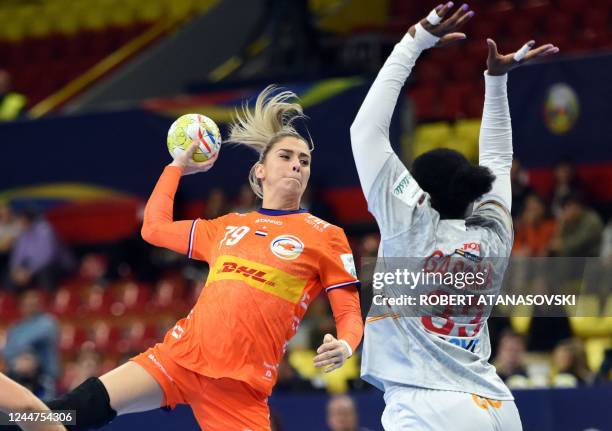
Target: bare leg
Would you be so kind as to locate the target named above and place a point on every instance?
(16, 398)
(132, 389)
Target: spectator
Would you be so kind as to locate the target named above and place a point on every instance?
(342, 414)
(606, 244)
(9, 228)
(36, 332)
(37, 256)
(604, 375)
(579, 229)
(246, 200)
(26, 370)
(216, 204)
(88, 364)
(9, 231)
(569, 364)
(510, 360)
(534, 231)
(549, 324)
(12, 104)
(566, 183)
(520, 187)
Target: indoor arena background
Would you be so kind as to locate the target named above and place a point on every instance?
(88, 89)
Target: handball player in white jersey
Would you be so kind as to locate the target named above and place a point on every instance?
(435, 373)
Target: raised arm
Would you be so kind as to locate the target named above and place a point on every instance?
(158, 226)
(495, 143)
(370, 130)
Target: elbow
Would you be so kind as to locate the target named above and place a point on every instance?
(357, 126)
(148, 233)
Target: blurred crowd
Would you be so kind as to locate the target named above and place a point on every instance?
(67, 313)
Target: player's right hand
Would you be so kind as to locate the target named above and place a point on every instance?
(447, 29)
(188, 165)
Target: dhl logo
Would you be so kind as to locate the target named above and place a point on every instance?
(259, 276)
(246, 272)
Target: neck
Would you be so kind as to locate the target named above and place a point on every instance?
(275, 201)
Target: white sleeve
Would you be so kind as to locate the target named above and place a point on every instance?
(370, 130)
(495, 145)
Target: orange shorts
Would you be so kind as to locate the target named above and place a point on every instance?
(218, 404)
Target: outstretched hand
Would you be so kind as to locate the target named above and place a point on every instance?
(331, 354)
(188, 165)
(498, 64)
(447, 29)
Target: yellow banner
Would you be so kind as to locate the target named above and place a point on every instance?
(259, 276)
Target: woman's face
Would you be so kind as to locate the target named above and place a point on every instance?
(286, 168)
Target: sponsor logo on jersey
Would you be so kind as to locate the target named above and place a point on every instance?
(349, 263)
(269, 220)
(401, 184)
(470, 250)
(469, 344)
(317, 223)
(258, 276)
(407, 190)
(246, 272)
(287, 247)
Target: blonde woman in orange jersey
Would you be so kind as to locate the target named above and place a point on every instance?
(266, 267)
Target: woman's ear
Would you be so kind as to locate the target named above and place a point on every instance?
(260, 171)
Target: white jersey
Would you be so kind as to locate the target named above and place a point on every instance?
(414, 350)
(409, 350)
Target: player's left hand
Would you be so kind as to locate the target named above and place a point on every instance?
(332, 354)
(498, 64)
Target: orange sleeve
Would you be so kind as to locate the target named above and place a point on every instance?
(336, 265)
(159, 229)
(339, 278)
(347, 313)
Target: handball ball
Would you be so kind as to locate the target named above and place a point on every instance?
(194, 127)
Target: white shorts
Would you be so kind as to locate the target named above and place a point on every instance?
(411, 408)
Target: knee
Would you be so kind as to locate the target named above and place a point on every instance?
(91, 404)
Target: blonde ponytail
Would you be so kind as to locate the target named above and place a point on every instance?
(271, 120)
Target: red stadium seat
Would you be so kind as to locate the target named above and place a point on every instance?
(131, 297)
(66, 302)
(105, 336)
(71, 338)
(428, 73)
(596, 19)
(536, 9)
(465, 70)
(521, 28)
(559, 23)
(425, 100)
(97, 301)
(169, 294)
(8, 307)
(455, 100)
(473, 106)
(573, 6)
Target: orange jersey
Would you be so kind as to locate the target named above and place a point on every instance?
(266, 267)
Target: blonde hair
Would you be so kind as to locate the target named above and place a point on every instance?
(271, 120)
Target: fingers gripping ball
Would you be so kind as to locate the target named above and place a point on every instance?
(194, 127)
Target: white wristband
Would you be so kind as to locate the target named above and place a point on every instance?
(433, 18)
(348, 347)
(423, 38)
